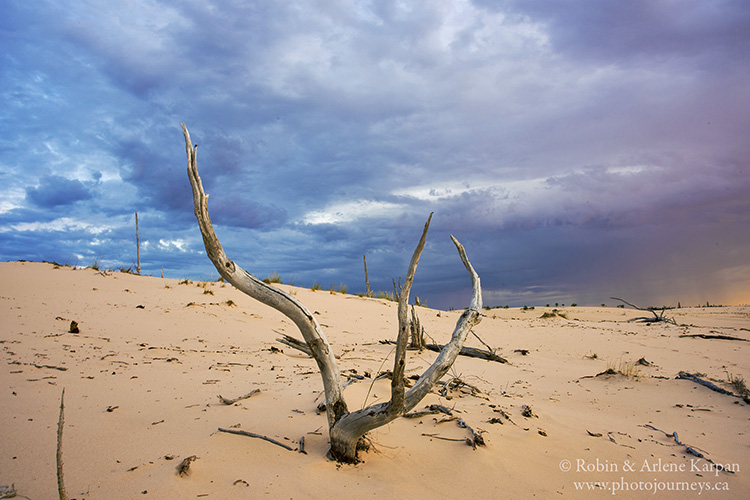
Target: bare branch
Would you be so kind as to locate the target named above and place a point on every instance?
(399, 365)
(60, 423)
(258, 436)
(271, 296)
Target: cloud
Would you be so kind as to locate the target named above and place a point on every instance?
(54, 191)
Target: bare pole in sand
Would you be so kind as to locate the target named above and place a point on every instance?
(367, 279)
(60, 422)
(137, 244)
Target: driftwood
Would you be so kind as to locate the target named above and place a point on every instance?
(647, 319)
(471, 352)
(227, 401)
(431, 410)
(9, 492)
(60, 422)
(717, 337)
(254, 435)
(346, 429)
(476, 437)
(705, 383)
(690, 450)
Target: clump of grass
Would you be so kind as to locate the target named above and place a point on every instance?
(385, 295)
(316, 286)
(95, 264)
(340, 288)
(554, 314)
(627, 368)
(274, 277)
(738, 385)
(184, 282)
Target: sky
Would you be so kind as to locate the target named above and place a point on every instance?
(579, 150)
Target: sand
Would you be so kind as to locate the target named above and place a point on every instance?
(143, 375)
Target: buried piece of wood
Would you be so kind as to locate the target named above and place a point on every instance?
(8, 491)
(690, 450)
(254, 435)
(705, 383)
(710, 336)
(476, 437)
(227, 401)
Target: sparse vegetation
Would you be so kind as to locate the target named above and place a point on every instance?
(738, 385)
(554, 313)
(385, 295)
(274, 277)
(315, 286)
(627, 368)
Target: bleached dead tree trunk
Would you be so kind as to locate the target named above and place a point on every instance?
(346, 428)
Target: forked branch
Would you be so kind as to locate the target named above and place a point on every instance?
(346, 429)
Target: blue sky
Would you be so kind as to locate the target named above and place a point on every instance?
(578, 149)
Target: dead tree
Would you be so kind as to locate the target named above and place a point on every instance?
(417, 331)
(647, 319)
(367, 278)
(346, 428)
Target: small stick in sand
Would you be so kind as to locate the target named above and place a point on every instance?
(60, 422)
(232, 401)
(254, 435)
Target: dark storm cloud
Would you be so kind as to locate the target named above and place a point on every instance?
(54, 191)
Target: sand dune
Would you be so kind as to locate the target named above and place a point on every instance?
(143, 375)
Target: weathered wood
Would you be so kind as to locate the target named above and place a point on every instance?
(711, 336)
(367, 278)
(138, 246)
(689, 449)
(471, 352)
(227, 401)
(644, 319)
(705, 383)
(266, 294)
(60, 423)
(258, 436)
(296, 344)
(346, 429)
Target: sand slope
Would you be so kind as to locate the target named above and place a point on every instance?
(159, 368)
